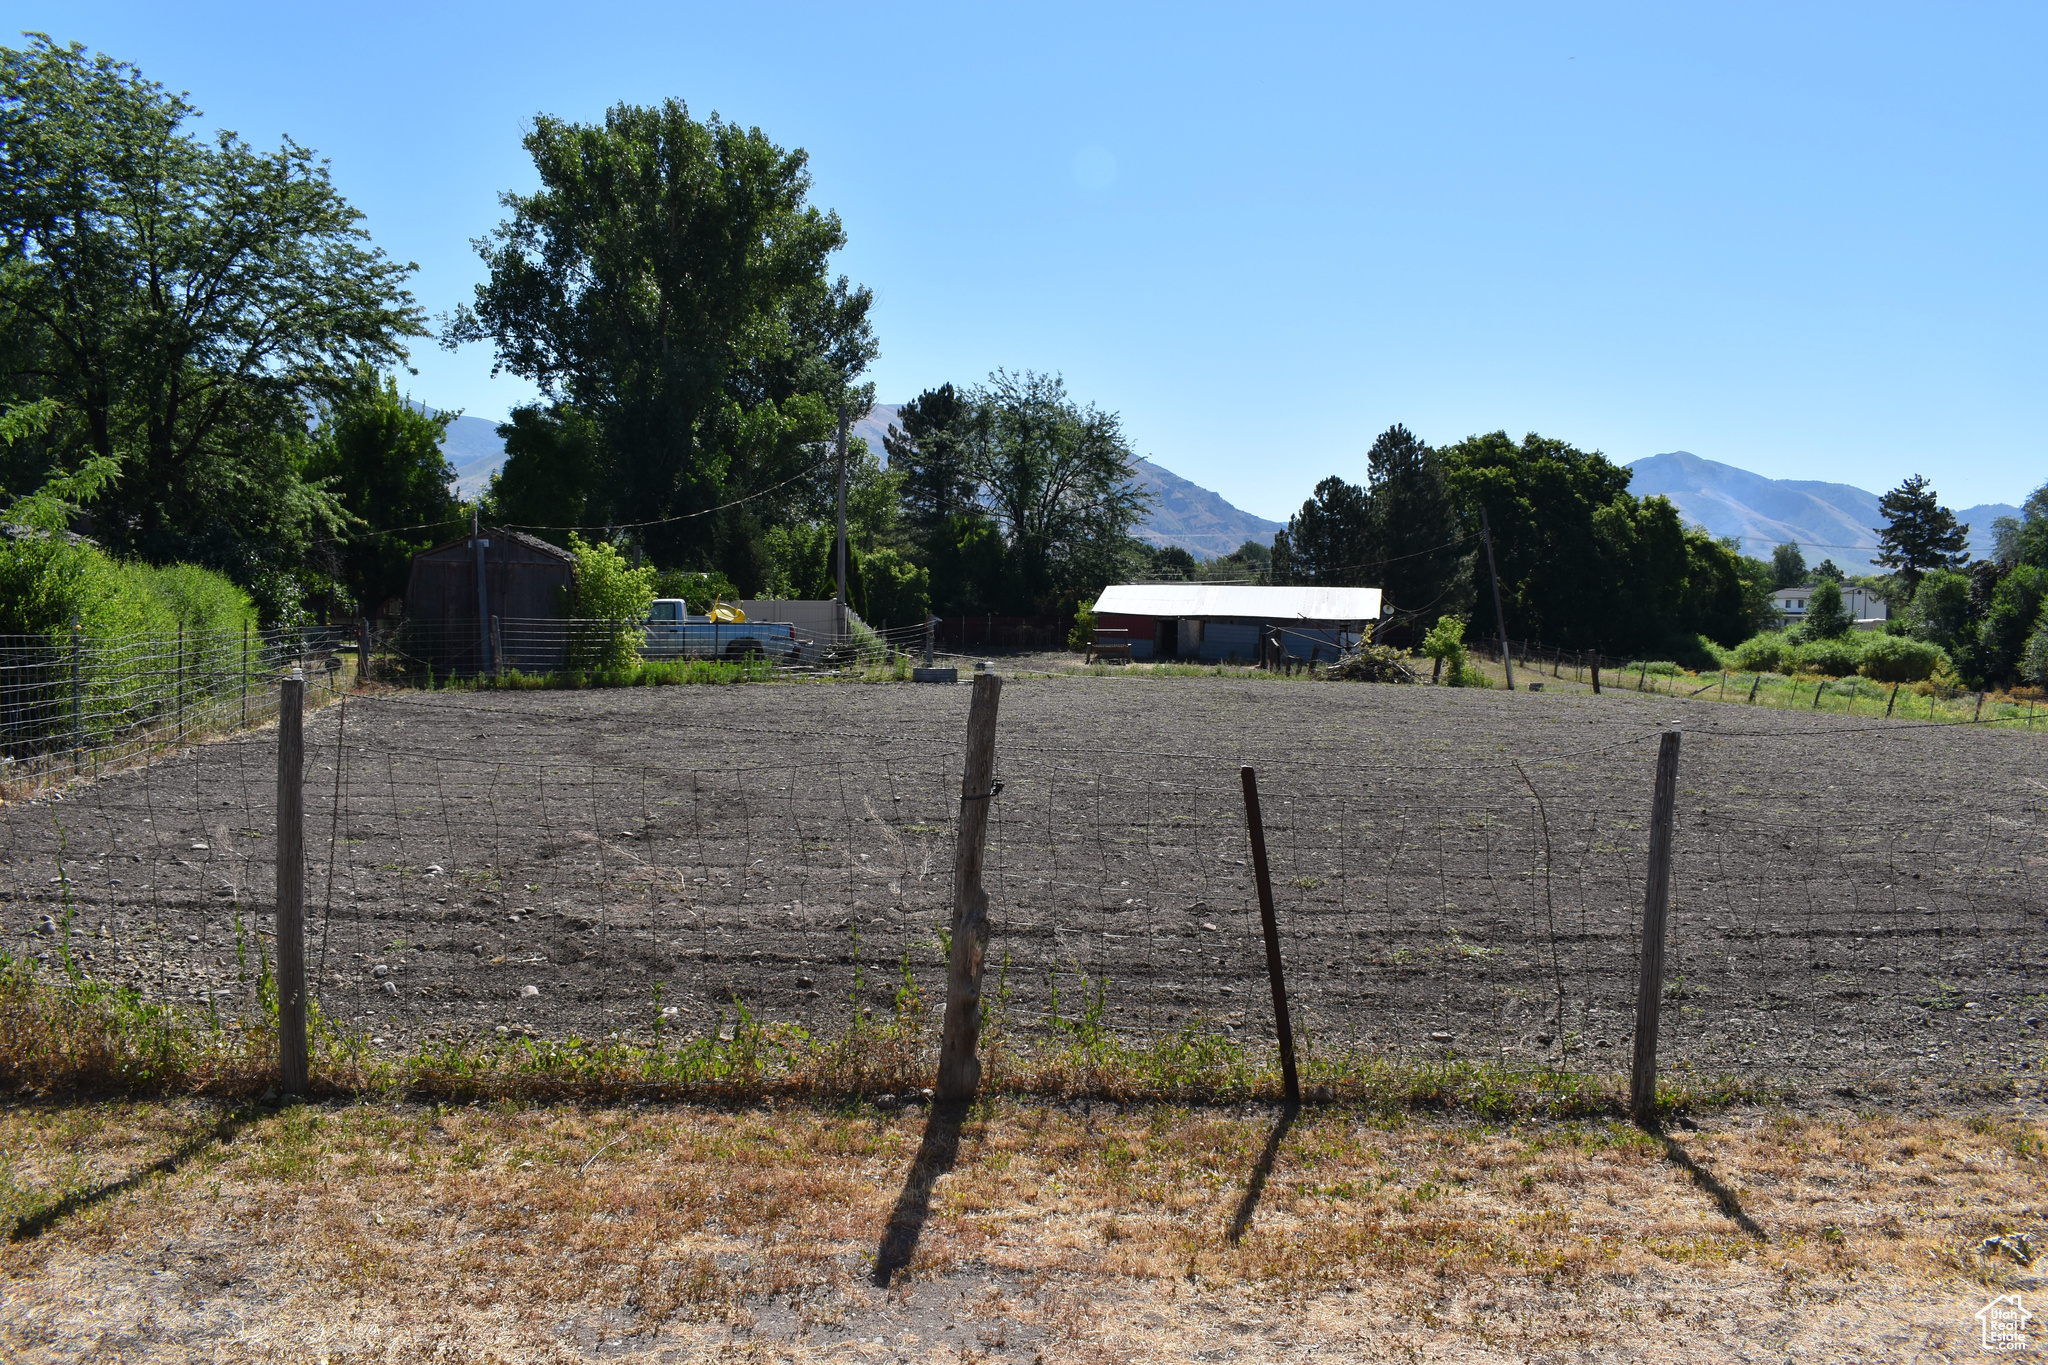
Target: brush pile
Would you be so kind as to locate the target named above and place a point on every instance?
(1374, 663)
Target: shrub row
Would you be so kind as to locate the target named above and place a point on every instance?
(1884, 658)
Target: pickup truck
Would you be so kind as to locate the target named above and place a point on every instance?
(672, 633)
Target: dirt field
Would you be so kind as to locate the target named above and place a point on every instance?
(1858, 904)
(172, 1232)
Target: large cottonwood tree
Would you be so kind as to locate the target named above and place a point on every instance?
(667, 289)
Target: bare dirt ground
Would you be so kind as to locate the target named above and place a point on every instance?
(171, 1232)
(1858, 904)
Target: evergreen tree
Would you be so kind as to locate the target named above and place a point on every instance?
(1415, 542)
(1919, 534)
(1826, 617)
(1788, 566)
(936, 444)
(1330, 540)
(1827, 571)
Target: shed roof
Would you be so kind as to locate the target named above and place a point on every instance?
(519, 537)
(1216, 600)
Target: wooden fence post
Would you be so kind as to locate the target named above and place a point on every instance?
(959, 1067)
(1282, 1024)
(1891, 701)
(1596, 672)
(291, 886)
(363, 650)
(1754, 684)
(1642, 1089)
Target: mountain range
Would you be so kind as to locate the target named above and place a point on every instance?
(1827, 520)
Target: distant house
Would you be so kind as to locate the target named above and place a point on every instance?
(1220, 624)
(1868, 610)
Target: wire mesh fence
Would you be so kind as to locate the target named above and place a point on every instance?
(474, 871)
(77, 701)
(419, 652)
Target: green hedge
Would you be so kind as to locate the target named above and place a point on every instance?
(1899, 659)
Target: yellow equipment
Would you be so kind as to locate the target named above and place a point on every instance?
(721, 612)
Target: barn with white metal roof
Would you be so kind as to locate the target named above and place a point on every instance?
(1217, 623)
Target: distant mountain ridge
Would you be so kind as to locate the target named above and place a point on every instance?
(1828, 520)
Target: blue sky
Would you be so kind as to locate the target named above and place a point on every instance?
(1803, 240)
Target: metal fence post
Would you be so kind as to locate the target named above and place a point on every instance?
(291, 886)
(959, 1068)
(929, 620)
(1282, 1023)
(245, 672)
(181, 681)
(1642, 1089)
(77, 730)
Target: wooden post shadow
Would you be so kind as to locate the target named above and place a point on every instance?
(33, 1225)
(1723, 1197)
(935, 1156)
(1262, 1170)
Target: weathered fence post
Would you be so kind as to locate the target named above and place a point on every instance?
(1596, 672)
(1642, 1090)
(291, 886)
(1978, 714)
(1283, 1025)
(1891, 701)
(1754, 684)
(959, 1067)
(363, 650)
(497, 647)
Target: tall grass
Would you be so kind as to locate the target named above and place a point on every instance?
(62, 1032)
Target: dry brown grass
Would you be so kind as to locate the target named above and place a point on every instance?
(1071, 1232)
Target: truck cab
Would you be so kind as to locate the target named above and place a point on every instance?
(673, 633)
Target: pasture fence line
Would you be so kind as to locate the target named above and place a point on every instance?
(1850, 695)
(467, 876)
(74, 702)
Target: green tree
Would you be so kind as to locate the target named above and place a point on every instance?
(554, 469)
(381, 456)
(1827, 571)
(1788, 566)
(1919, 534)
(2024, 539)
(1826, 617)
(1421, 554)
(938, 448)
(1330, 540)
(2015, 612)
(668, 282)
(608, 601)
(1941, 611)
(1057, 479)
(189, 304)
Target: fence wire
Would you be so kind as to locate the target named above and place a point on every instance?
(518, 871)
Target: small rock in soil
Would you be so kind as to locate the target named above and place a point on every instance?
(529, 990)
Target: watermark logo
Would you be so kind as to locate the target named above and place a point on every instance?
(2005, 1321)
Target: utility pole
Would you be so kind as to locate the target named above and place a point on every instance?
(1507, 656)
(483, 594)
(839, 614)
